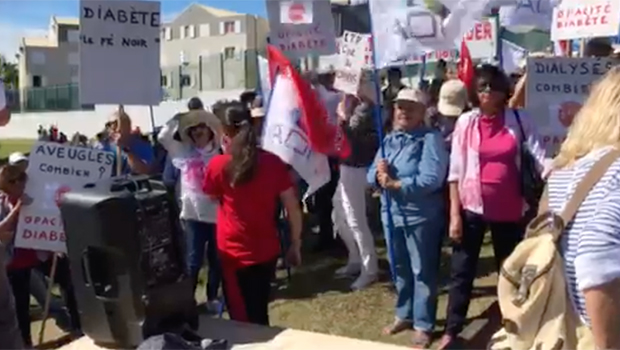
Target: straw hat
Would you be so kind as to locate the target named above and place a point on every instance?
(195, 118)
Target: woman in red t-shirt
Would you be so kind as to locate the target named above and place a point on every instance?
(248, 183)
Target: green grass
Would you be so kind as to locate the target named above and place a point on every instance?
(9, 146)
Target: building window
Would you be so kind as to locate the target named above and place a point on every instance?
(205, 30)
(164, 80)
(168, 33)
(229, 53)
(73, 36)
(37, 57)
(37, 81)
(186, 80)
(229, 27)
(186, 32)
(74, 58)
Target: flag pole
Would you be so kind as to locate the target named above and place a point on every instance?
(379, 125)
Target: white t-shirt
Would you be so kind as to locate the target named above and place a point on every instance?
(2, 96)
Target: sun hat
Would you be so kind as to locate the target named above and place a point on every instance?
(194, 118)
(452, 98)
(17, 157)
(411, 95)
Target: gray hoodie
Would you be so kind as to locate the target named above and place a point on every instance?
(361, 132)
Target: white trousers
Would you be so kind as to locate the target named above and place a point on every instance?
(350, 218)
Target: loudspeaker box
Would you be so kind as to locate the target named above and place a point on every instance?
(127, 260)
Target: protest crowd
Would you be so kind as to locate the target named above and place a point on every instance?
(450, 160)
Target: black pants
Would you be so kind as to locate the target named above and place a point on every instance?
(248, 291)
(20, 285)
(323, 207)
(464, 263)
(63, 278)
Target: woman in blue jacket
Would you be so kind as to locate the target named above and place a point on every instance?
(412, 172)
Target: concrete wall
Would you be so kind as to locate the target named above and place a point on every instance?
(24, 125)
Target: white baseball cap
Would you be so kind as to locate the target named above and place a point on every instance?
(412, 95)
(452, 98)
(17, 157)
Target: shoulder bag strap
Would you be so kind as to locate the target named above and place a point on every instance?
(587, 183)
(518, 118)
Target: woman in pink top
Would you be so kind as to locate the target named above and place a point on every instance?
(485, 186)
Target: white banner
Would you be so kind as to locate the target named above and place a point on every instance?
(525, 15)
(404, 28)
(513, 56)
(53, 170)
(576, 20)
(300, 40)
(352, 59)
(556, 89)
(119, 52)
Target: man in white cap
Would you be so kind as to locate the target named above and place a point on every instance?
(452, 103)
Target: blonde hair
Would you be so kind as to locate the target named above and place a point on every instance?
(597, 124)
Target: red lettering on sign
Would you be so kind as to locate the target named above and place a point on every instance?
(583, 16)
(481, 31)
(41, 220)
(42, 235)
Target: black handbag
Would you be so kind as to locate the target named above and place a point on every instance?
(532, 183)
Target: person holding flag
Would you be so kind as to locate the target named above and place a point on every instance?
(412, 170)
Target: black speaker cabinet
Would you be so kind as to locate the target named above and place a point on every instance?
(127, 260)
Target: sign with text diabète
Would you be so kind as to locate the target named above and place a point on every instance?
(119, 52)
(302, 39)
(556, 89)
(53, 170)
(585, 19)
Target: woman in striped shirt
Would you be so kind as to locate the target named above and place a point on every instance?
(591, 243)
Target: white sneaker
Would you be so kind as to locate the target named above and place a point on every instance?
(214, 306)
(363, 281)
(349, 270)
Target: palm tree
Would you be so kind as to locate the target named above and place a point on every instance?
(9, 73)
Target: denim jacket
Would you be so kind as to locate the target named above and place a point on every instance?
(419, 160)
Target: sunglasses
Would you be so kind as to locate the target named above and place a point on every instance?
(490, 86)
(19, 179)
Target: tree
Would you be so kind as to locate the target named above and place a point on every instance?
(9, 73)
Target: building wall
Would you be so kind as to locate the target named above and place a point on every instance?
(206, 61)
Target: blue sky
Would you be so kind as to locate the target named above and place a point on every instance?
(20, 18)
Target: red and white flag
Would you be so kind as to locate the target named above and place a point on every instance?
(465, 66)
(297, 127)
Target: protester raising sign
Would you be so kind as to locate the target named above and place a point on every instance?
(581, 19)
(53, 170)
(556, 89)
(307, 34)
(119, 52)
(351, 53)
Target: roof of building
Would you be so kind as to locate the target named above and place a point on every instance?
(70, 21)
(42, 41)
(218, 12)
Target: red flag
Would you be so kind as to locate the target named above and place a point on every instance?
(323, 136)
(465, 66)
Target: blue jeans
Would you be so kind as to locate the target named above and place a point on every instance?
(198, 235)
(416, 252)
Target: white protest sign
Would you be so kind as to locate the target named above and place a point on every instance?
(53, 170)
(404, 28)
(521, 16)
(352, 59)
(594, 18)
(119, 52)
(300, 40)
(296, 12)
(481, 40)
(556, 89)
